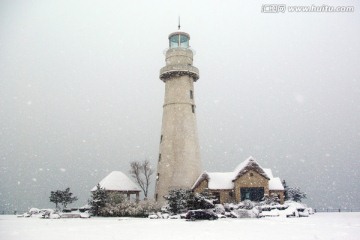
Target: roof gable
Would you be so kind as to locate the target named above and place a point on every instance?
(117, 181)
(202, 177)
(247, 165)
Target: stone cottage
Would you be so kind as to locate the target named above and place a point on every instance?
(249, 181)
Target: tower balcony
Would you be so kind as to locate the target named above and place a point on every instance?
(179, 70)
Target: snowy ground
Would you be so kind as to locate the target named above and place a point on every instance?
(344, 226)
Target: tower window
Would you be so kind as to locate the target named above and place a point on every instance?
(157, 177)
(191, 94)
(156, 197)
(159, 157)
(161, 137)
(193, 108)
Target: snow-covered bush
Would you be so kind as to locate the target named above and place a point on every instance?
(34, 211)
(230, 206)
(295, 209)
(247, 204)
(219, 209)
(129, 209)
(116, 205)
(266, 208)
(182, 200)
(41, 213)
(178, 200)
(271, 213)
(311, 211)
(273, 199)
(245, 213)
(153, 216)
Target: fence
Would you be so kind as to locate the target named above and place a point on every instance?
(337, 210)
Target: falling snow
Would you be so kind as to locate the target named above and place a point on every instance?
(80, 92)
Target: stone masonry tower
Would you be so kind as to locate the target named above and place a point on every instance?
(179, 163)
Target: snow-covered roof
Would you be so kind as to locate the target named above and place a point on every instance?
(216, 180)
(219, 180)
(249, 164)
(268, 172)
(275, 184)
(117, 181)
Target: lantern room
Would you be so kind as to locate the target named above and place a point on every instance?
(179, 39)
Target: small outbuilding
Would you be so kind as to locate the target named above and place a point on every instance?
(118, 182)
(249, 181)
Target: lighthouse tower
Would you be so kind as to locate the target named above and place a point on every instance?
(179, 163)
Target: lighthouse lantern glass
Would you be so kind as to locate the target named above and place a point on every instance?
(174, 41)
(184, 41)
(179, 40)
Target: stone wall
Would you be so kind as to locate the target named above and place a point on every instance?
(280, 193)
(201, 187)
(250, 179)
(225, 195)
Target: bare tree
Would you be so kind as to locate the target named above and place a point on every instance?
(141, 172)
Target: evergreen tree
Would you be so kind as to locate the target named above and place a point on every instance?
(293, 193)
(56, 197)
(181, 200)
(202, 200)
(177, 200)
(64, 197)
(286, 197)
(98, 200)
(67, 197)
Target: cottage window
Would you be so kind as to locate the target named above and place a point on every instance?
(253, 194)
(216, 197)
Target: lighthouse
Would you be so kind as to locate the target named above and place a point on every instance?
(179, 163)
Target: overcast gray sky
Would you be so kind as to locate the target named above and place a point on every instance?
(80, 94)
